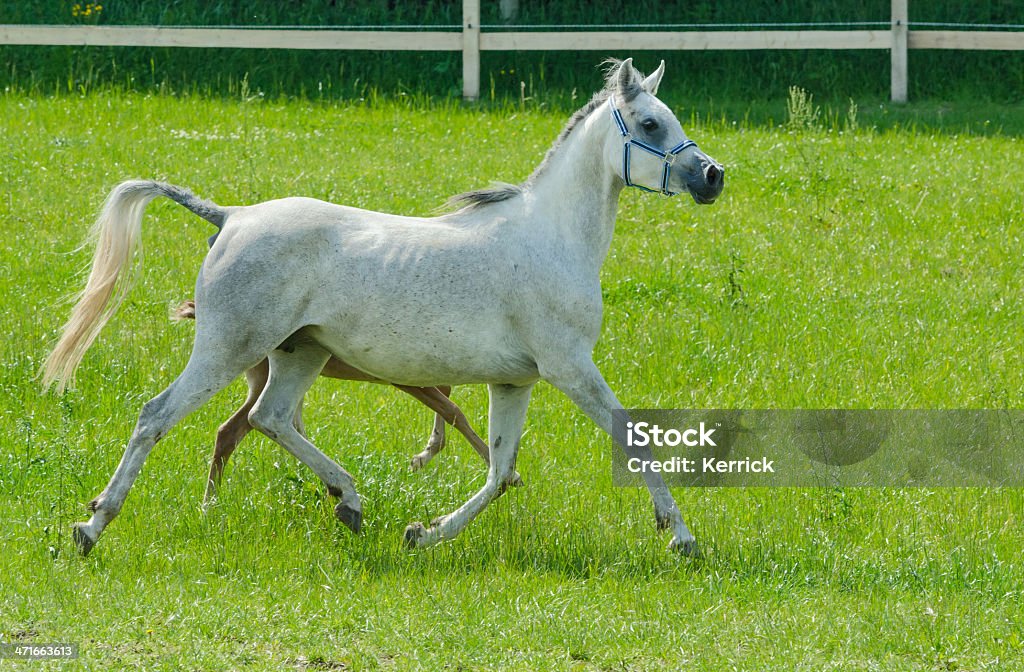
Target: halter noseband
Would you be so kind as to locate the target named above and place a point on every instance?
(668, 158)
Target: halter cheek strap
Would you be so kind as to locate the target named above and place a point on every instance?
(668, 158)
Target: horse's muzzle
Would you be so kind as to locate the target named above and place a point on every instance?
(707, 184)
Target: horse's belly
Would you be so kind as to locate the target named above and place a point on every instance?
(428, 357)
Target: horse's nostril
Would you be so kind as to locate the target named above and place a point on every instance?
(714, 175)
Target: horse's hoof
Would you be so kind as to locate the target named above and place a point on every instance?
(418, 461)
(352, 518)
(82, 539)
(413, 534)
(686, 546)
(516, 481)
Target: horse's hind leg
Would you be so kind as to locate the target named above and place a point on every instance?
(202, 378)
(291, 376)
(235, 429)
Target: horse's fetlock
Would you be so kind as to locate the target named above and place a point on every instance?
(101, 504)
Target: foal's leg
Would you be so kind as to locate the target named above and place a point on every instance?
(235, 429)
(585, 385)
(203, 377)
(435, 398)
(291, 376)
(445, 410)
(505, 427)
(437, 440)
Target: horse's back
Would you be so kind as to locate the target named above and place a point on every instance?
(365, 282)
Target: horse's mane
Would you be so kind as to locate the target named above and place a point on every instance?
(502, 191)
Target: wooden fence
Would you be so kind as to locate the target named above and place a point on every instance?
(471, 40)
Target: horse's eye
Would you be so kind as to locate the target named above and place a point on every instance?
(649, 125)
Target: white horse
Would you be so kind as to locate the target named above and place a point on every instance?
(504, 291)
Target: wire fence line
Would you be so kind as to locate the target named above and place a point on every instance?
(470, 37)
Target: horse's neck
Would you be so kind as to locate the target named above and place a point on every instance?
(576, 195)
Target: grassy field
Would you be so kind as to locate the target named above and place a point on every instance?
(844, 266)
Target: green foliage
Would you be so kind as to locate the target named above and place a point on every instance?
(841, 268)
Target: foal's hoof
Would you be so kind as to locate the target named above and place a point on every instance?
(419, 461)
(82, 539)
(352, 518)
(414, 534)
(686, 546)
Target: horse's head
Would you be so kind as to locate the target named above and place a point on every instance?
(646, 145)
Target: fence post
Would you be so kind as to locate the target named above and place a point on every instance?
(470, 49)
(899, 51)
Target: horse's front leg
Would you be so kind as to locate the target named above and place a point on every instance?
(505, 426)
(583, 383)
(447, 411)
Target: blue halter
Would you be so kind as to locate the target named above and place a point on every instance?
(668, 158)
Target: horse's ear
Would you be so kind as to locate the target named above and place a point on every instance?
(627, 80)
(650, 84)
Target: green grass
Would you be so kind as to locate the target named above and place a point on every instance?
(870, 267)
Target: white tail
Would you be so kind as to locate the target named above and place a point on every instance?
(117, 235)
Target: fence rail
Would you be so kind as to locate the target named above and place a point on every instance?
(236, 38)
(471, 40)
